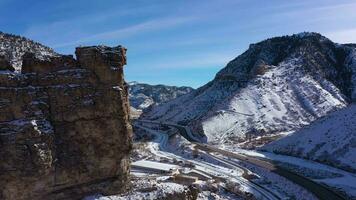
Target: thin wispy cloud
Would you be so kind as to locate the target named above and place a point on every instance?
(68, 30)
(305, 15)
(130, 31)
(208, 60)
(176, 38)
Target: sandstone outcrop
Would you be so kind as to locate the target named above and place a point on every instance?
(64, 126)
(32, 64)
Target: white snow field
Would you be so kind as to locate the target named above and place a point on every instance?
(331, 140)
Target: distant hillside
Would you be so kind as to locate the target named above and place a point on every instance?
(278, 85)
(13, 47)
(144, 95)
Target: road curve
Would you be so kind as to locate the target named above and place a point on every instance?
(320, 191)
(162, 140)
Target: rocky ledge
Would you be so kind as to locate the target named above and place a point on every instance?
(64, 126)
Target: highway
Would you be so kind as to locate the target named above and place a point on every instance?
(211, 169)
(320, 191)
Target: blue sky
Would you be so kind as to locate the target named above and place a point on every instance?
(174, 42)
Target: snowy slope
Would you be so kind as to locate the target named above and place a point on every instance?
(144, 95)
(277, 85)
(13, 47)
(331, 139)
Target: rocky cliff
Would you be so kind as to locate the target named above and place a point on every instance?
(64, 125)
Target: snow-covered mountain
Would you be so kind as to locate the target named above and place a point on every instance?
(278, 85)
(144, 95)
(331, 139)
(13, 47)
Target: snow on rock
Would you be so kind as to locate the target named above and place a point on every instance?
(331, 140)
(277, 85)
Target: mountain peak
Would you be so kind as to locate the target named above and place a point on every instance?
(307, 34)
(304, 47)
(277, 85)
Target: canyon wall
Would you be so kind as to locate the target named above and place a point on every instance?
(64, 126)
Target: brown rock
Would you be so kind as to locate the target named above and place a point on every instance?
(64, 130)
(105, 62)
(32, 64)
(5, 64)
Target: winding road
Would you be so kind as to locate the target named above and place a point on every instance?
(208, 168)
(320, 191)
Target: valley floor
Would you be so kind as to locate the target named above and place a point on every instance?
(337, 179)
(165, 164)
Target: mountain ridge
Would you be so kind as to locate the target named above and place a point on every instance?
(13, 48)
(277, 85)
(143, 95)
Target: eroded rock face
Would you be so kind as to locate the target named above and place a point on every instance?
(64, 126)
(31, 63)
(5, 64)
